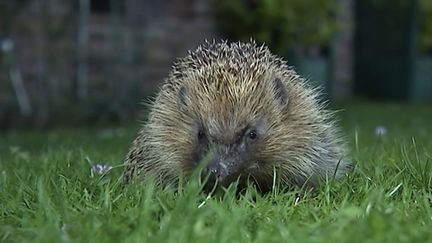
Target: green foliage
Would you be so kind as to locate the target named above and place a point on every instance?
(48, 194)
(425, 38)
(278, 23)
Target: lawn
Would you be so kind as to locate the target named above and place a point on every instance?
(49, 194)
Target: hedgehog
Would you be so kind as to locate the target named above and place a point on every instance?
(239, 113)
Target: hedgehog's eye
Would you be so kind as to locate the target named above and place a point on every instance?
(201, 135)
(252, 135)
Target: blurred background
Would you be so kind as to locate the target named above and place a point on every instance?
(94, 61)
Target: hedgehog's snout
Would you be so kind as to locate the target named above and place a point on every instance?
(226, 159)
(219, 168)
(223, 167)
(217, 171)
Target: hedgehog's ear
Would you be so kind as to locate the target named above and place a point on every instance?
(280, 91)
(182, 99)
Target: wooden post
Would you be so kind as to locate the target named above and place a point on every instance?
(342, 52)
(82, 52)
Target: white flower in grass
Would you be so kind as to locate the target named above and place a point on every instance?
(380, 130)
(100, 168)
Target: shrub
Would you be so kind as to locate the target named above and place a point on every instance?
(278, 23)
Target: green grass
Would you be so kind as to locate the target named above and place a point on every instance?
(47, 193)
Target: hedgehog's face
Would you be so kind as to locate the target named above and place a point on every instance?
(230, 129)
(230, 155)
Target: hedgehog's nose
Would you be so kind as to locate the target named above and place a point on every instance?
(216, 172)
